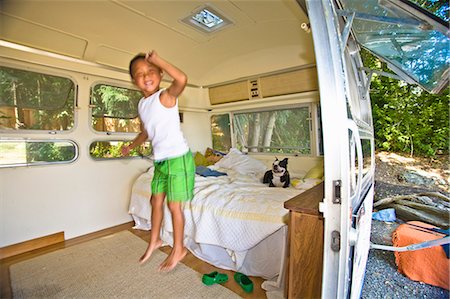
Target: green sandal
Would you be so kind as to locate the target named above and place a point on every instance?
(244, 282)
(214, 277)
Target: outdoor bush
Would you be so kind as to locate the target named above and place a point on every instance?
(407, 118)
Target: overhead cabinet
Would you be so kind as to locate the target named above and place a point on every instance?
(297, 81)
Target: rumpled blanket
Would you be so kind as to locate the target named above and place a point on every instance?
(235, 211)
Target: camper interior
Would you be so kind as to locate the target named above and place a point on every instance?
(266, 80)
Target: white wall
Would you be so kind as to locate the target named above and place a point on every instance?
(297, 166)
(196, 124)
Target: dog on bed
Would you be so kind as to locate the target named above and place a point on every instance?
(278, 176)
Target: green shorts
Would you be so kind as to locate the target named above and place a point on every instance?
(175, 177)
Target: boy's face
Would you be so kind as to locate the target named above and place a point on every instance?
(146, 77)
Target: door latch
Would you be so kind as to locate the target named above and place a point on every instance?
(335, 241)
(337, 191)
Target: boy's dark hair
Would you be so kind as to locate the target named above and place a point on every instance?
(137, 57)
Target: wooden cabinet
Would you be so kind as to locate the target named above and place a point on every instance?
(305, 249)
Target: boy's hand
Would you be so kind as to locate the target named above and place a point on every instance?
(125, 150)
(151, 56)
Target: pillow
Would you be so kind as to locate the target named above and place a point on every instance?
(242, 164)
(200, 160)
(212, 156)
(316, 172)
(209, 152)
(305, 183)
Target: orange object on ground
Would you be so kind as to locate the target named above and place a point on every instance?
(428, 265)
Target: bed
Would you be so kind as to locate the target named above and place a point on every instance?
(234, 221)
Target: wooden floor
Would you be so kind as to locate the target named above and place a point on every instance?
(190, 261)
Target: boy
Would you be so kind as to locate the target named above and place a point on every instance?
(174, 165)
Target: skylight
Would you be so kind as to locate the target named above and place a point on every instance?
(206, 19)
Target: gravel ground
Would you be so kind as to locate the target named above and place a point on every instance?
(382, 280)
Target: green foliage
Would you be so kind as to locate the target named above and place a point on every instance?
(221, 132)
(48, 99)
(406, 118)
(112, 149)
(115, 101)
(49, 152)
(279, 131)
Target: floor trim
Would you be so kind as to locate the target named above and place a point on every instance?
(30, 245)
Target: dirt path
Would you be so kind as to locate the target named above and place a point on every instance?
(416, 172)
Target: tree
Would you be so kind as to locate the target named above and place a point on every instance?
(407, 118)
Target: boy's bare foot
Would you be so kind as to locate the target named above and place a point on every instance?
(172, 260)
(148, 253)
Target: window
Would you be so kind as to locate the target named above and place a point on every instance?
(36, 152)
(115, 109)
(35, 101)
(277, 131)
(221, 133)
(397, 37)
(366, 151)
(111, 149)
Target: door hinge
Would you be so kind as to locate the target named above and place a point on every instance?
(335, 241)
(337, 191)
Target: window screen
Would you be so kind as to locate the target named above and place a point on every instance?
(114, 109)
(35, 101)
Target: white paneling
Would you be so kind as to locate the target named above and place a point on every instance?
(18, 30)
(196, 129)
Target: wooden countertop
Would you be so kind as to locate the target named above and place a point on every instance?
(308, 201)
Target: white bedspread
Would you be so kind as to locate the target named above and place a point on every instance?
(235, 211)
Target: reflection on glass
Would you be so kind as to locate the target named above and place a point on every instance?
(367, 157)
(438, 8)
(422, 54)
(366, 147)
(221, 132)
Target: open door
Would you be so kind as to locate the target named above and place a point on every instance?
(415, 46)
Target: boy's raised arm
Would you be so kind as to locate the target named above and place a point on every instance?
(179, 82)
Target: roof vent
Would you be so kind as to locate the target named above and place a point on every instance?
(207, 20)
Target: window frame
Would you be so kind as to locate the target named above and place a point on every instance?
(312, 127)
(43, 140)
(149, 157)
(91, 106)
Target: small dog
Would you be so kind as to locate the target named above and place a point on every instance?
(279, 175)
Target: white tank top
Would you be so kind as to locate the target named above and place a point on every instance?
(163, 127)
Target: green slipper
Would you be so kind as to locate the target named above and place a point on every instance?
(214, 277)
(244, 282)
